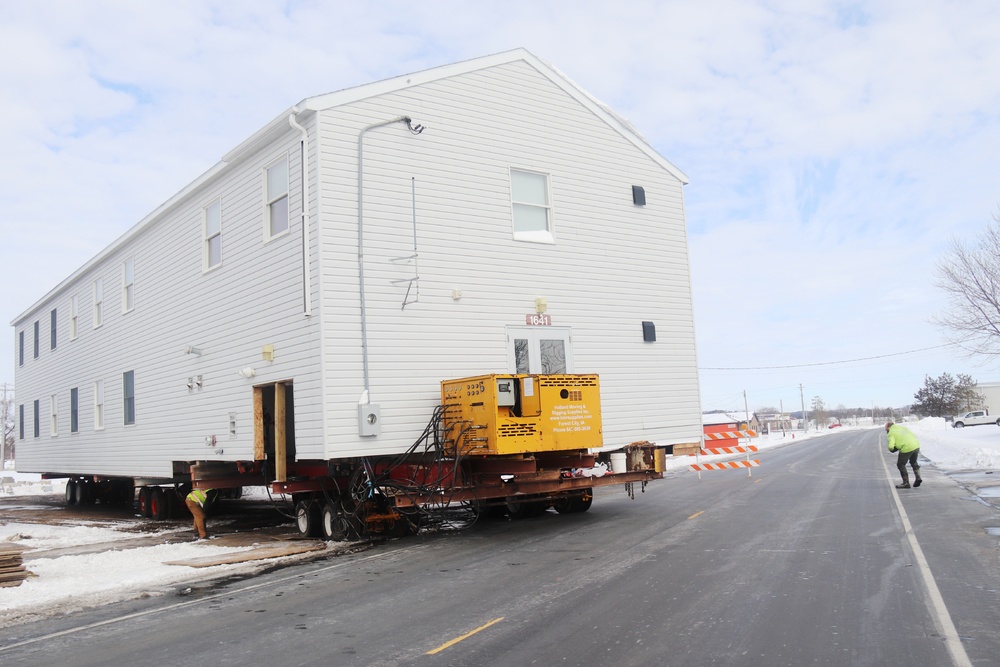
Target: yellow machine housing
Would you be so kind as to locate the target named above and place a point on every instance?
(518, 414)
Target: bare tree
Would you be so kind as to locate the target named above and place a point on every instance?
(970, 275)
(7, 419)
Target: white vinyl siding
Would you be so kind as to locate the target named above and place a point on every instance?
(212, 235)
(276, 198)
(128, 285)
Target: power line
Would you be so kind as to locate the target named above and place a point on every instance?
(823, 363)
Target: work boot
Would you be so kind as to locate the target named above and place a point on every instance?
(906, 482)
(917, 481)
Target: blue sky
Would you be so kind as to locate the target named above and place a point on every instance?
(834, 149)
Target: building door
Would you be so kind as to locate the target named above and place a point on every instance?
(539, 350)
(274, 426)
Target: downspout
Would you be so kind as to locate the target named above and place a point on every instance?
(415, 129)
(303, 171)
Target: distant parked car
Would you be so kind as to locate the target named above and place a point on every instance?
(834, 425)
(974, 418)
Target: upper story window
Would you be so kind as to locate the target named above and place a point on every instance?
(276, 198)
(212, 233)
(52, 329)
(36, 338)
(532, 213)
(74, 316)
(128, 394)
(128, 285)
(20, 348)
(98, 303)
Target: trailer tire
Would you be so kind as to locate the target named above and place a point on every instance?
(83, 492)
(576, 503)
(144, 510)
(71, 492)
(158, 509)
(307, 518)
(515, 508)
(333, 524)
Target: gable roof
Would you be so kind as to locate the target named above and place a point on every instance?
(282, 124)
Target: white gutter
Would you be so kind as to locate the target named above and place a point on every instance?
(304, 175)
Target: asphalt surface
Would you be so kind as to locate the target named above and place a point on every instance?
(811, 560)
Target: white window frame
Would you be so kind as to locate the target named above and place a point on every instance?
(98, 302)
(128, 400)
(53, 415)
(36, 418)
(532, 235)
(212, 209)
(74, 316)
(74, 410)
(53, 328)
(534, 336)
(128, 285)
(99, 405)
(273, 196)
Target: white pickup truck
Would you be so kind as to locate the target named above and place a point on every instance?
(974, 418)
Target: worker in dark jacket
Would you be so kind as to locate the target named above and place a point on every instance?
(902, 440)
(196, 501)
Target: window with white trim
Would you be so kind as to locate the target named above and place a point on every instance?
(53, 415)
(128, 285)
(531, 211)
(52, 329)
(276, 198)
(128, 397)
(74, 316)
(98, 303)
(20, 348)
(20, 421)
(37, 334)
(99, 405)
(74, 410)
(37, 418)
(212, 233)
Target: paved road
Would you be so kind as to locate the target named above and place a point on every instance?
(809, 561)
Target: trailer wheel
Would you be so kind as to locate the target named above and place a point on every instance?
(144, 503)
(515, 508)
(157, 504)
(71, 492)
(84, 494)
(333, 524)
(580, 502)
(307, 518)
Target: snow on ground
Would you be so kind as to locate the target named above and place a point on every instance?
(74, 582)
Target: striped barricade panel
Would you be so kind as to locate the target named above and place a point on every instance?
(728, 450)
(726, 465)
(731, 435)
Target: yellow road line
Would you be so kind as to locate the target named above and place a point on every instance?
(465, 636)
(694, 515)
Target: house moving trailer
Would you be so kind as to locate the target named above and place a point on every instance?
(467, 286)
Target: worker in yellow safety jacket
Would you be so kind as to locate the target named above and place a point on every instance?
(902, 440)
(196, 501)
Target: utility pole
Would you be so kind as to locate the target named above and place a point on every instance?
(803, 399)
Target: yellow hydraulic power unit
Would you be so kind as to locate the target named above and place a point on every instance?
(518, 414)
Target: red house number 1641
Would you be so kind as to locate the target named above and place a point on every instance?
(538, 320)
